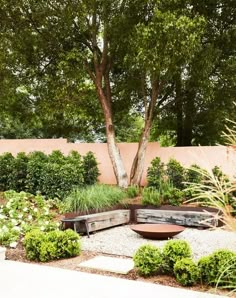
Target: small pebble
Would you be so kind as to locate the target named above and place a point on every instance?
(123, 241)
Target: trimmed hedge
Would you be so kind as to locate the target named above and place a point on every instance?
(53, 175)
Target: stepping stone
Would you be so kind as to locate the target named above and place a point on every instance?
(116, 265)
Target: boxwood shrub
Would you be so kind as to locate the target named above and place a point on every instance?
(186, 272)
(147, 260)
(47, 246)
(212, 267)
(173, 251)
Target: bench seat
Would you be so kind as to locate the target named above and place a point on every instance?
(98, 221)
(182, 218)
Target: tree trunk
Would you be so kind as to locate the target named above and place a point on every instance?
(179, 110)
(113, 150)
(138, 163)
(188, 121)
(114, 153)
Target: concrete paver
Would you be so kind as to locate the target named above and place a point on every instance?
(31, 280)
(111, 264)
(2, 253)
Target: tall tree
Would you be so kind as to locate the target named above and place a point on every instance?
(165, 42)
(85, 39)
(204, 91)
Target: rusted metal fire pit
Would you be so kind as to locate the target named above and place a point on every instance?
(157, 231)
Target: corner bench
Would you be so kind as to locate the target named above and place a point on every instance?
(98, 221)
(182, 218)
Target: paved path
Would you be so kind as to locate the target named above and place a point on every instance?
(28, 280)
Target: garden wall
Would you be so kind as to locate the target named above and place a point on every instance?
(206, 157)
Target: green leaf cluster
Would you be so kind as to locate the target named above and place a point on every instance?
(47, 246)
(186, 272)
(53, 175)
(148, 260)
(22, 212)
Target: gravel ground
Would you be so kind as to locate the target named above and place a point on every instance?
(124, 242)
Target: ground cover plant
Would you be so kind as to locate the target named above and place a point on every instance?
(23, 212)
(53, 175)
(95, 197)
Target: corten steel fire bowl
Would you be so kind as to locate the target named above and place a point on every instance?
(157, 231)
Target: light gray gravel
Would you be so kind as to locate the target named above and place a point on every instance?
(124, 242)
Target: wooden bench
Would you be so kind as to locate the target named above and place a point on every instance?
(182, 218)
(98, 221)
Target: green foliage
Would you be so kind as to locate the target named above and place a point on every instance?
(47, 246)
(95, 197)
(36, 163)
(175, 173)
(155, 173)
(227, 277)
(186, 272)
(61, 174)
(54, 175)
(147, 260)
(151, 196)
(91, 171)
(56, 157)
(171, 195)
(193, 175)
(21, 213)
(173, 251)
(19, 172)
(212, 267)
(132, 191)
(6, 166)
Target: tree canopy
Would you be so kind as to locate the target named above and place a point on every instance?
(108, 70)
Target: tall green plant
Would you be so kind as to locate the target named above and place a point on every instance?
(95, 197)
(175, 172)
(155, 173)
(90, 166)
(19, 172)
(35, 166)
(6, 167)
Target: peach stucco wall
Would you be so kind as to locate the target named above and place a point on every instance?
(207, 156)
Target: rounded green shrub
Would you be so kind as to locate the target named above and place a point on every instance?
(212, 266)
(47, 246)
(186, 272)
(173, 251)
(147, 260)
